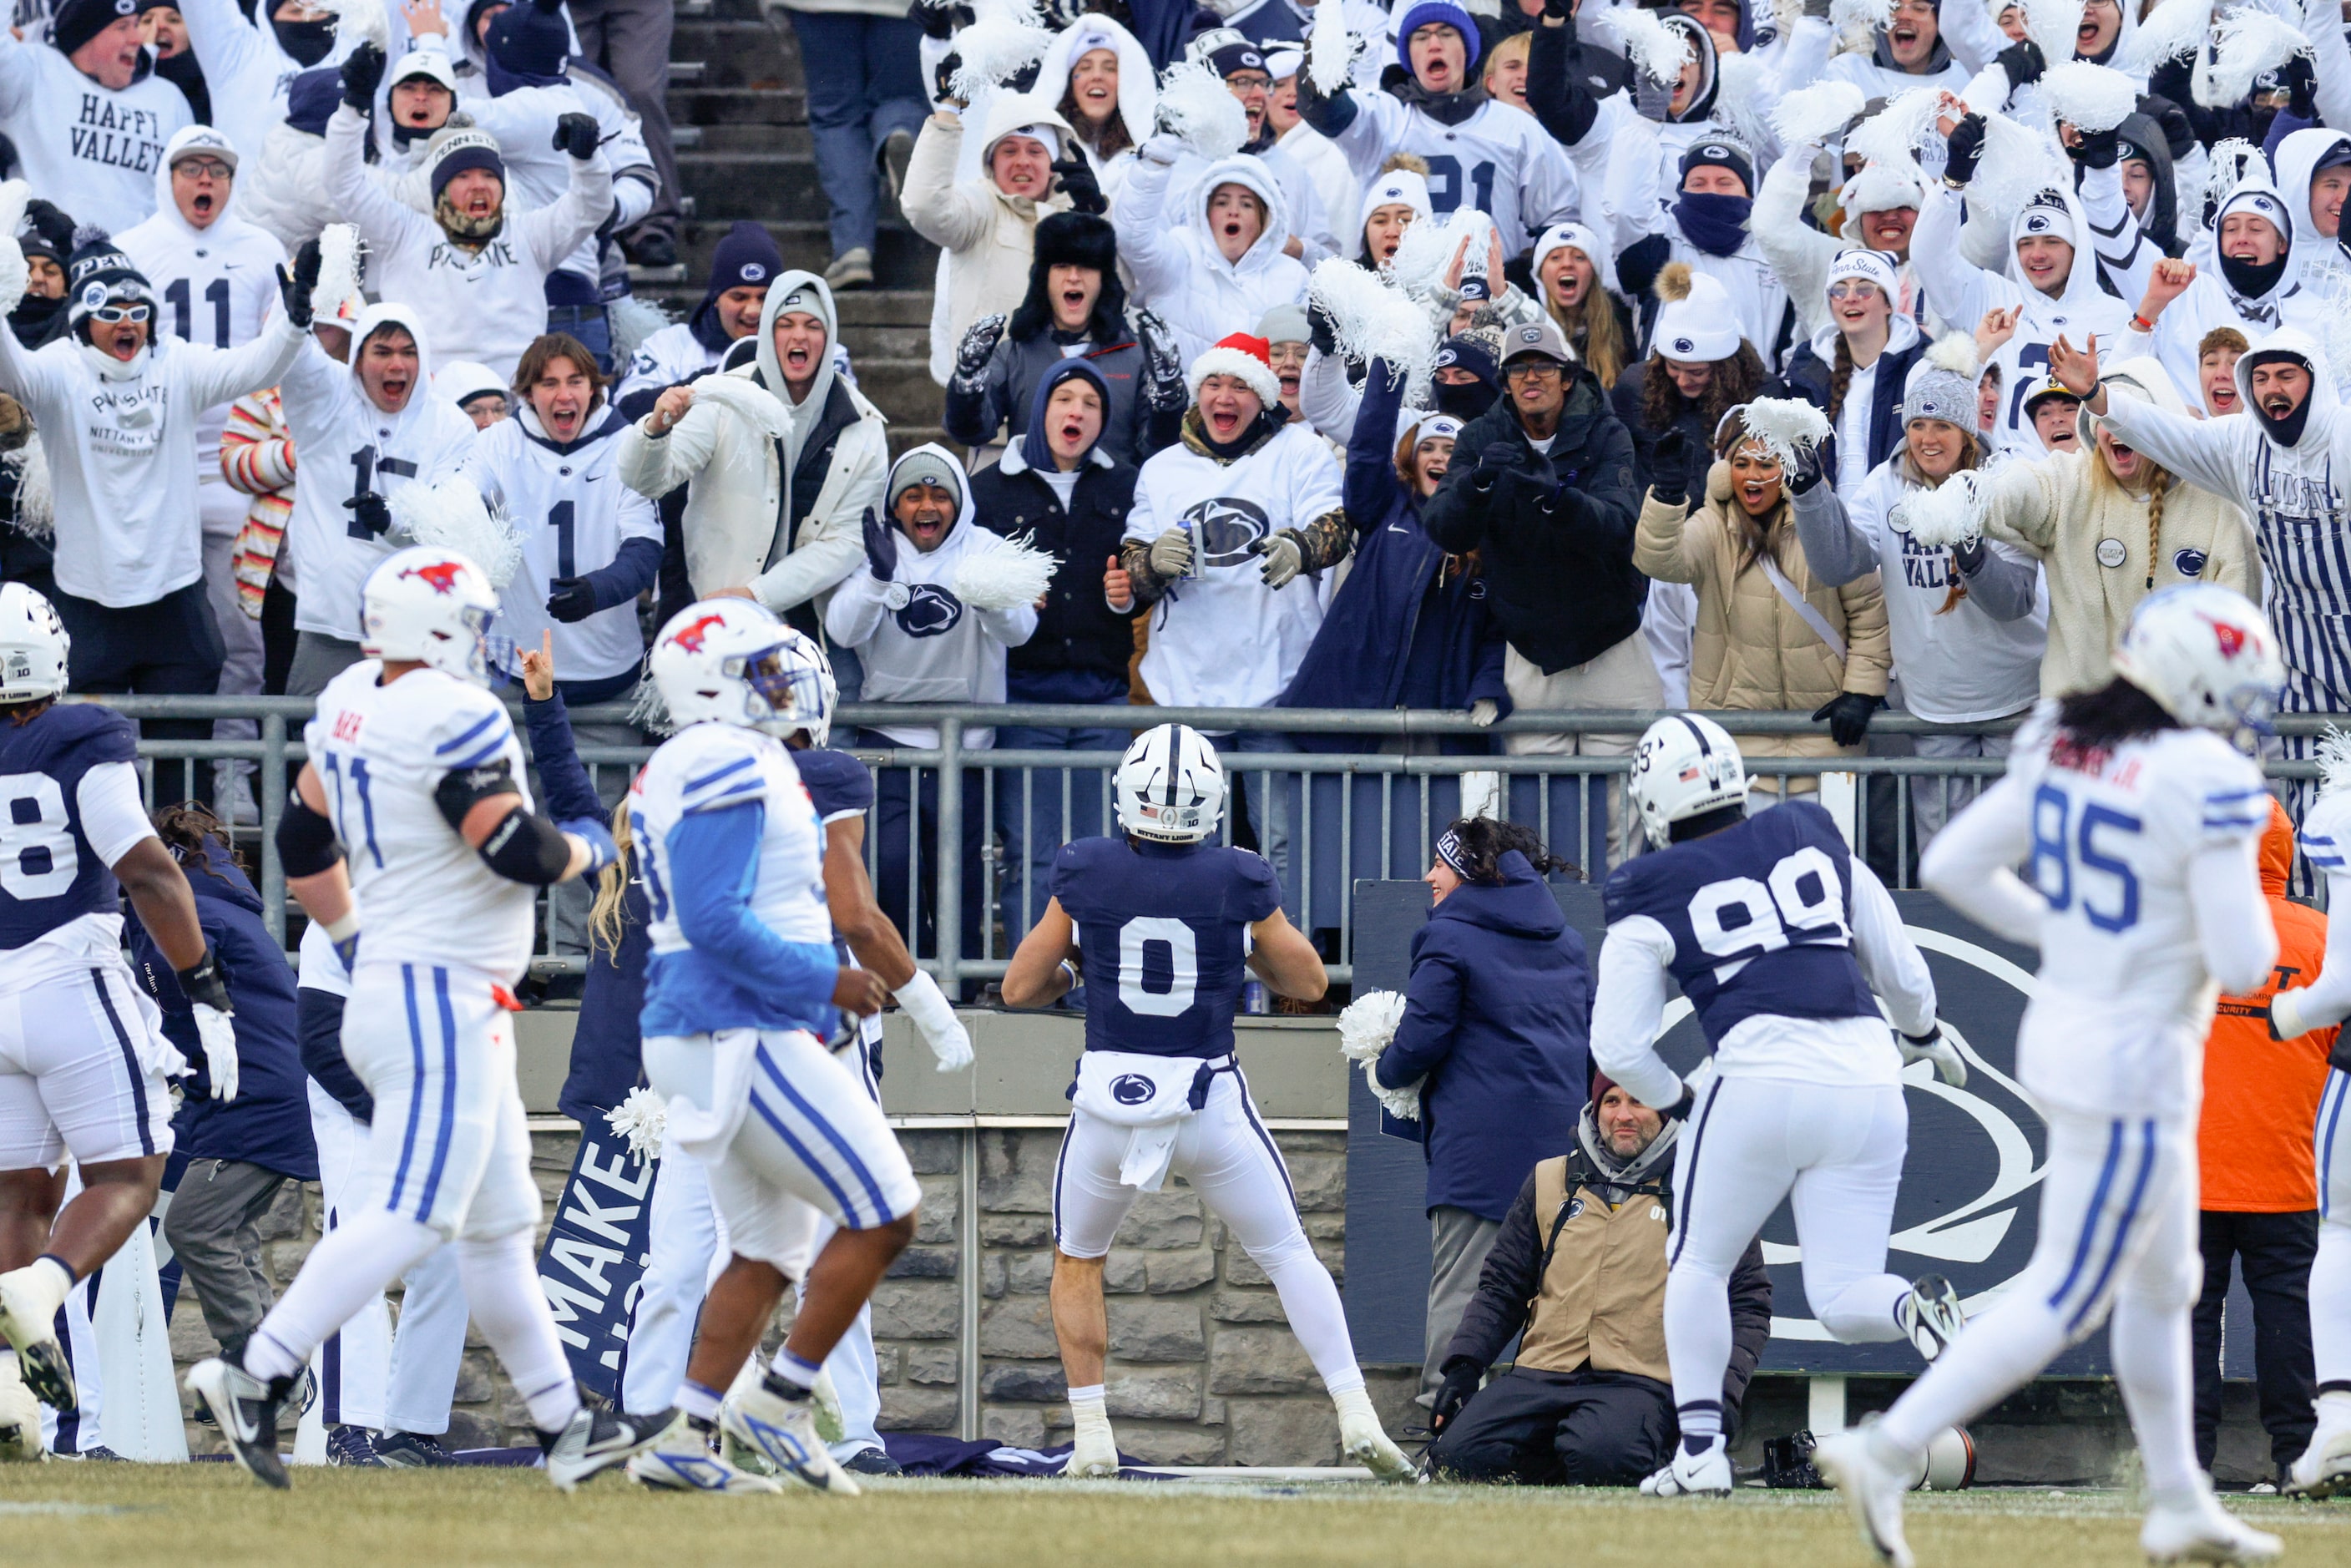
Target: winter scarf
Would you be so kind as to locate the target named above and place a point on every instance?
(1618, 1178)
(1716, 224)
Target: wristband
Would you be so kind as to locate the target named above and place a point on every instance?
(1069, 973)
(202, 983)
(2140, 324)
(927, 1004)
(345, 935)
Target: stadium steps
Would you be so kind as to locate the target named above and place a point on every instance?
(739, 105)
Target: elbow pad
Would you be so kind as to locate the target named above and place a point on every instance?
(528, 848)
(305, 841)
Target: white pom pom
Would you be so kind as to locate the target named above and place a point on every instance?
(2018, 162)
(1365, 1027)
(1955, 352)
(1951, 514)
(1656, 50)
(2225, 165)
(642, 1118)
(1004, 40)
(363, 19)
(339, 250)
(1894, 135)
(2250, 42)
(16, 272)
(1856, 22)
(1374, 321)
(2089, 98)
(649, 710)
(1783, 425)
(1816, 114)
(2172, 31)
(633, 319)
(1196, 107)
(754, 404)
(1013, 573)
(1426, 250)
(37, 511)
(2334, 761)
(2054, 25)
(454, 516)
(1739, 86)
(1331, 50)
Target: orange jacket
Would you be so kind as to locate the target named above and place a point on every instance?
(2261, 1095)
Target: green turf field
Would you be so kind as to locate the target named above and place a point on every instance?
(125, 1516)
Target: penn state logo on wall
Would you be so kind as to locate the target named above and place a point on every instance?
(926, 610)
(1131, 1088)
(1223, 528)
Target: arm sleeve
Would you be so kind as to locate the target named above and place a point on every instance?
(1799, 255)
(1145, 231)
(113, 819)
(2232, 918)
(222, 41)
(1869, 643)
(1837, 548)
(714, 858)
(18, 73)
(2021, 505)
(2327, 999)
(2332, 64)
(2200, 451)
(221, 374)
(23, 375)
(1890, 961)
(1330, 404)
(1974, 39)
(1659, 547)
(556, 230)
(254, 461)
(632, 571)
(2005, 582)
(2128, 257)
(1497, 1309)
(1970, 865)
(654, 465)
(1628, 1007)
(1961, 291)
(1370, 486)
(856, 612)
(563, 781)
(319, 1016)
(386, 222)
(1432, 1008)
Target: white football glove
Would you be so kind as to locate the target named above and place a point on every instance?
(1935, 1046)
(935, 1019)
(217, 1030)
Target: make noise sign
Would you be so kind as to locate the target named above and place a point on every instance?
(594, 1260)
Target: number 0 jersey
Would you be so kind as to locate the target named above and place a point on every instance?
(381, 752)
(1163, 939)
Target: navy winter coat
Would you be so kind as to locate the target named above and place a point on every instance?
(1496, 1025)
(268, 1122)
(1398, 634)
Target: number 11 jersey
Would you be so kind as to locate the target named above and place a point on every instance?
(1163, 939)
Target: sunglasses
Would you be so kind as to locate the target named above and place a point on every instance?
(1853, 288)
(112, 313)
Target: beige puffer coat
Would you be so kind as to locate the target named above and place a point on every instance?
(1748, 648)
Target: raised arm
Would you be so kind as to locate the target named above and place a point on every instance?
(1837, 548)
(1971, 864)
(1890, 960)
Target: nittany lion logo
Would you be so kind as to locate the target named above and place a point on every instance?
(1132, 1089)
(1223, 528)
(930, 611)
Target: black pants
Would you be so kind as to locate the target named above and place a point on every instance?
(2276, 1250)
(906, 842)
(276, 637)
(169, 648)
(1579, 1429)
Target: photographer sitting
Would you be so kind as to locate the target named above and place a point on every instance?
(1580, 1266)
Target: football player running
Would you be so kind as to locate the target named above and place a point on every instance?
(414, 800)
(740, 1001)
(82, 1054)
(2139, 821)
(1777, 936)
(1166, 928)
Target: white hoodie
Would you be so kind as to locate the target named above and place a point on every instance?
(1138, 89)
(1179, 272)
(246, 72)
(87, 148)
(921, 644)
(212, 285)
(348, 446)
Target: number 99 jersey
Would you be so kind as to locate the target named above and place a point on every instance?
(1163, 935)
(2118, 1022)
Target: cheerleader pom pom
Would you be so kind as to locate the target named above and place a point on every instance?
(1014, 573)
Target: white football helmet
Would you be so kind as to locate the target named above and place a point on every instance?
(734, 662)
(2206, 654)
(1170, 786)
(432, 605)
(33, 645)
(1685, 767)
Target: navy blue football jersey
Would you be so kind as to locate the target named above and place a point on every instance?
(48, 873)
(836, 781)
(1761, 916)
(1162, 938)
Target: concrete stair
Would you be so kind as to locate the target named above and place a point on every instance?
(739, 107)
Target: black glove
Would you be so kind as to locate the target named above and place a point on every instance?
(2023, 62)
(363, 73)
(2301, 84)
(949, 64)
(1964, 150)
(204, 983)
(2178, 132)
(571, 598)
(1669, 467)
(1078, 184)
(1462, 1377)
(1807, 472)
(1848, 715)
(53, 226)
(937, 18)
(1971, 554)
(980, 340)
(578, 134)
(2097, 149)
(294, 288)
(1164, 367)
(371, 515)
(1562, 9)
(1321, 333)
(881, 546)
(1498, 459)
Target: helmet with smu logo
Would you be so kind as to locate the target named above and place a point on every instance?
(2205, 654)
(1170, 788)
(732, 661)
(1685, 767)
(429, 606)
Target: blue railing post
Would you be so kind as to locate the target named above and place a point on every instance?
(272, 807)
(946, 910)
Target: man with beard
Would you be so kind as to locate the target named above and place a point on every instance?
(84, 117)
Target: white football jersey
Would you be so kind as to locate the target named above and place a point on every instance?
(381, 752)
(1499, 161)
(710, 767)
(2118, 1018)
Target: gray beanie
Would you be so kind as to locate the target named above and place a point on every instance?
(924, 467)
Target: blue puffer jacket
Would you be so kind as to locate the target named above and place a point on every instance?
(1496, 1025)
(268, 1122)
(1398, 634)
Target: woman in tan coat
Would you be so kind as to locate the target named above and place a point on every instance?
(1751, 648)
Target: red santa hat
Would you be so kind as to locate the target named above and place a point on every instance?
(1239, 354)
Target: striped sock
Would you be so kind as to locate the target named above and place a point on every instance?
(1701, 1422)
(698, 1401)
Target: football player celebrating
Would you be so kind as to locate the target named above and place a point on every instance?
(1167, 928)
(414, 800)
(740, 1000)
(81, 1054)
(1778, 935)
(2137, 824)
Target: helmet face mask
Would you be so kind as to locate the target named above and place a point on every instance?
(1170, 786)
(731, 661)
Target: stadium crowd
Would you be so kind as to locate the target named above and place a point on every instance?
(1829, 356)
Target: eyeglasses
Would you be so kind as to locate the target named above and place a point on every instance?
(202, 168)
(1853, 288)
(1533, 371)
(113, 313)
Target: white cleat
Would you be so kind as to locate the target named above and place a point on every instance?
(29, 1321)
(829, 1424)
(2325, 1467)
(1930, 1316)
(783, 1431)
(680, 1460)
(1362, 1440)
(2204, 1531)
(1872, 1489)
(1705, 1474)
(20, 1418)
(1094, 1456)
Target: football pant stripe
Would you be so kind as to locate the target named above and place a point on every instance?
(832, 1135)
(448, 1095)
(130, 1065)
(415, 1088)
(2090, 1217)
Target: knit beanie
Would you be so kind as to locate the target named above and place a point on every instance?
(456, 149)
(1720, 152)
(1697, 324)
(1452, 14)
(529, 42)
(1869, 265)
(76, 22)
(98, 272)
(1239, 354)
(921, 468)
(1284, 323)
(2046, 214)
(1397, 187)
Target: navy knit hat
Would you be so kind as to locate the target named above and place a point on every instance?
(456, 149)
(746, 258)
(1720, 152)
(529, 42)
(76, 22)
(99, 272)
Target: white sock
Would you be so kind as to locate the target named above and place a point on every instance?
(2148, 1346)
(1697, 1344)
(1087, 1411)
(2330, 1303)
(503, 1292)
(1355, 1403)
(349, 1266)
(1311, 1301)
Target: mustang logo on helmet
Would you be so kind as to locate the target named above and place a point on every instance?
(441, 575)
(690, 637)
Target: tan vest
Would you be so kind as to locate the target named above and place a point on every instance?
(1602, 1300)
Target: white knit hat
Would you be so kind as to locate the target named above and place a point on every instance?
(1238, 354)
(1699, 323)
(2046, 214)
(1870, 266)
(1397, 186)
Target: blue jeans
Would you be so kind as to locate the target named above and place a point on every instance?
(864, 81)
(1036, 837)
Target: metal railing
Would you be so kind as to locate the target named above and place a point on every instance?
(1325, 819)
